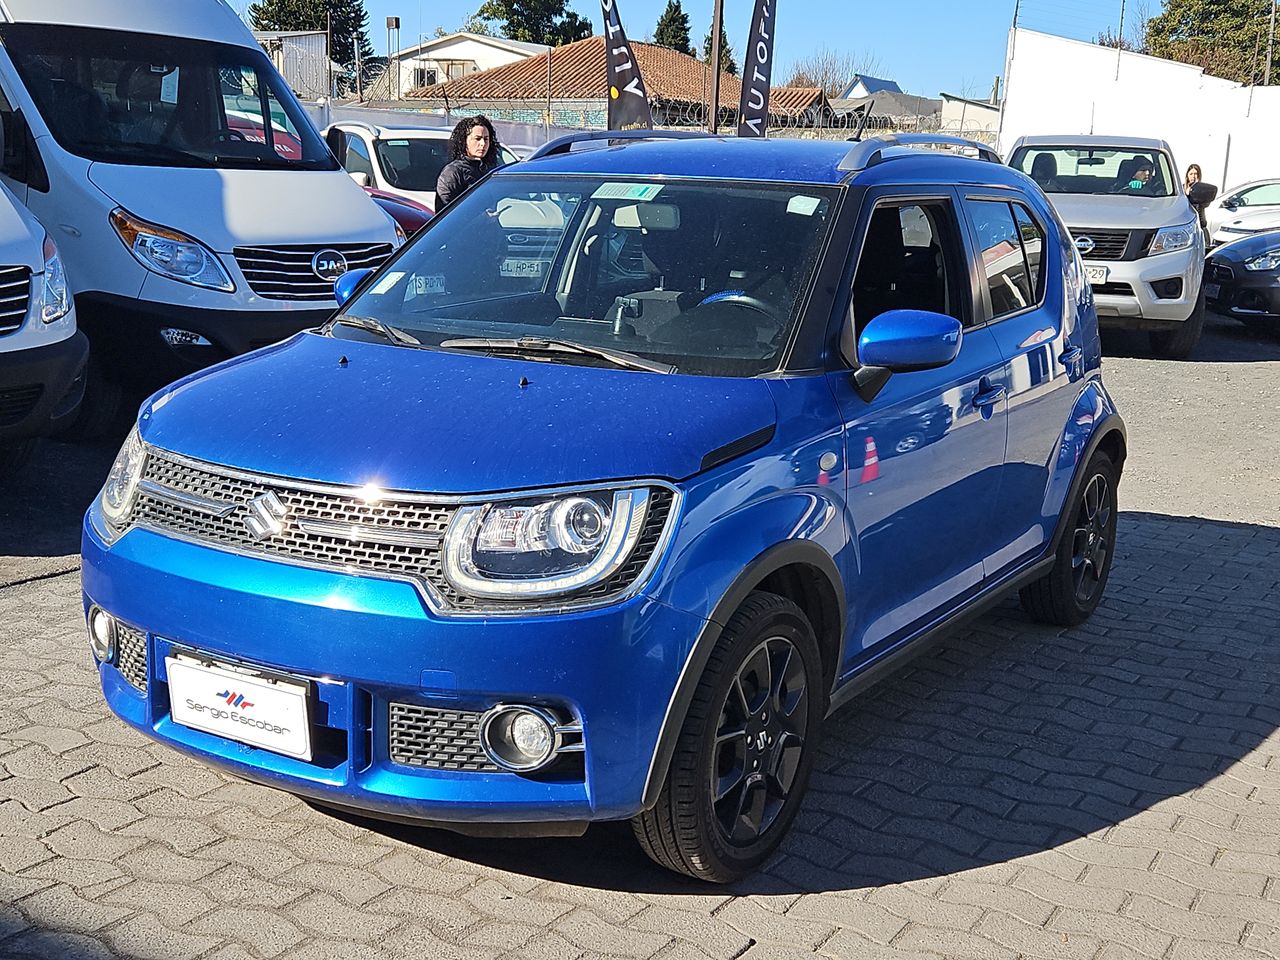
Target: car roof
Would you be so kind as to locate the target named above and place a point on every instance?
(1093, 140)
(767, 161)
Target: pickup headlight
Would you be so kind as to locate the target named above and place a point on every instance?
(120, 492)
(1169, 239)
(551, 546)
(1268, 261)
(170, 253)
(55, 297)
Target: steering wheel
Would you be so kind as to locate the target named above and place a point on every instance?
(738, 298)
(223, 136)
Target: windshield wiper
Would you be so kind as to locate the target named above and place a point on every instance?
(156, 150)
(619, 358)
(372, 325)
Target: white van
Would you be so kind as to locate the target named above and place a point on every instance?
(42, 355)
(199, 211)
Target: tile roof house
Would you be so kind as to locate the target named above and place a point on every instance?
(569, 81)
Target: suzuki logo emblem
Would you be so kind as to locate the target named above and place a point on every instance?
(328, 264)
(1085, 245)
(266, 516)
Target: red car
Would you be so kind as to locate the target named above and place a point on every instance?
(411, 215)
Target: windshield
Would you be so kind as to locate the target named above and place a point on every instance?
(414, 163)
(1118, 170)
(705, 277)
(132, 98)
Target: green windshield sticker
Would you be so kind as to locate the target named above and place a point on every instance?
(627, 191)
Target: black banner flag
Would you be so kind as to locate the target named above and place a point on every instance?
(753, 111)
(628, 98)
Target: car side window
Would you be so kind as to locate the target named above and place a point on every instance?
(1266, 195)
(910, 260)
(357, 160)
(1033, 247)
(1013, 279)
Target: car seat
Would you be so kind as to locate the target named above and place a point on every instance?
(1044, 169)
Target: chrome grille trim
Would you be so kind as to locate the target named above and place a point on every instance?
(284, 272)
(15, 298)
(131, 655)
(399, 536)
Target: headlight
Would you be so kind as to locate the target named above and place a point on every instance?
(1169, 239)
(121, 489)
(1268, 261)
(55, 298)
(170, 253)
(545, 547)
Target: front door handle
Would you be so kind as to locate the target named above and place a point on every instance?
(988, 395)
(1072, 358)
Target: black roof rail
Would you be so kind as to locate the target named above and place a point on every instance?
(565, 144)
(868, 153)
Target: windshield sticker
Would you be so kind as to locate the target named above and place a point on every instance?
(387, 281)
(627, 191)
(805, 206)
(169, 87)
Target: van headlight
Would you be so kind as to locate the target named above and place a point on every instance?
(55, 296)
(543, 547)
(170, 252)
(120, 492)
(1169, 239)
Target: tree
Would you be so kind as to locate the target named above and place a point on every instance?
(727, 63)
(831, 71)
(478, 24)
(536, 21)
(350, 23)
(1226, 38)
(673, 29)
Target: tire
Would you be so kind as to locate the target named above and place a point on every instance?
(1069, 593)
(14, 456)
(100, 410)
(689, 830)
(1178, 344)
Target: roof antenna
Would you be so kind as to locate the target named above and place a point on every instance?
(862, 122)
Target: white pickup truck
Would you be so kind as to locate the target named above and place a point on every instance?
(1137, 231)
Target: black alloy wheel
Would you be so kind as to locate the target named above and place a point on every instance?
(1092, 538)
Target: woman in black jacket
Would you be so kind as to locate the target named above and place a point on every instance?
(473, 152)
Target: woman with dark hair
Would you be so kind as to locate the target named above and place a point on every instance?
(473, 153)
(1194, 176)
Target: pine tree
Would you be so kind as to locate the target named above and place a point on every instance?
(350, 23)
(673, 29)
(536, 21)
(727, 63)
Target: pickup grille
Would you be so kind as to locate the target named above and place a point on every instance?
(15, 296)
(1107, 244)
(285, 273)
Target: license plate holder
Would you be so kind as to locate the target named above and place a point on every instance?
(1212, 291)
(240, 704)
(1096, 275)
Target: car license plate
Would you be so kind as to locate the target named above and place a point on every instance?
(525, 269)
(1096, 275)
(240, 705)
(1212, 291)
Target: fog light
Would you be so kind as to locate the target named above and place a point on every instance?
(183, 338)
(102, 634)
(519, 738)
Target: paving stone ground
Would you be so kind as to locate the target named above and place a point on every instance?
(1102, 793)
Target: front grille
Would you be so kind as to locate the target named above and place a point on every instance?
(131, 655)
(1221, 273)
(286, 273)
(1107, 244)
(334, 527)
(1113, 289)
(439, 739)
(17, 402)
(15, 296)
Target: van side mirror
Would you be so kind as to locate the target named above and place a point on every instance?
(360, 177)
(337, 141)
(903, 341)
(1202, 194)
(345, 286)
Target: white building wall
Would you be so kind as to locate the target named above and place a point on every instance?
(965, 118)
(1059, 86)
(472, 55)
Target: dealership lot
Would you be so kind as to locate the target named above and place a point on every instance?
(1110, 791)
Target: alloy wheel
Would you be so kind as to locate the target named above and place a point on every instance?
(1092, 538)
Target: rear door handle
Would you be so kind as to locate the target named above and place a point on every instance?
(989, 396)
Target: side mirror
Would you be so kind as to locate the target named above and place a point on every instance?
(345, 286)
(1202, 194)
(360, 178)
(337, 141)
(901, 341)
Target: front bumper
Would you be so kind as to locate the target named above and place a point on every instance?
(1129, 298)
(126, 334)
(363, 643)
(1243, 294)
(41, 387)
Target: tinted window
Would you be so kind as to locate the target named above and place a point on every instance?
(412, 163)
(1033, 247)
(1010, 280)
(358, 158)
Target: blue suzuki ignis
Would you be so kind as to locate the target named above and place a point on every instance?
(596, 500)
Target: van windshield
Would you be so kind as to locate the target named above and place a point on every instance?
(709, 277)
(132, 98)
(1138, 171)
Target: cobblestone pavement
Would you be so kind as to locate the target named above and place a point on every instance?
(1107, 792)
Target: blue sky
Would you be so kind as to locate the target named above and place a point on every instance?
(928, 46)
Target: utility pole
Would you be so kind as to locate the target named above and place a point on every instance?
(717, 24)
(355, 45)
(1271, 43)
(1120, 40)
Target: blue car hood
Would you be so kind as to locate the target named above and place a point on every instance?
(423, 420)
